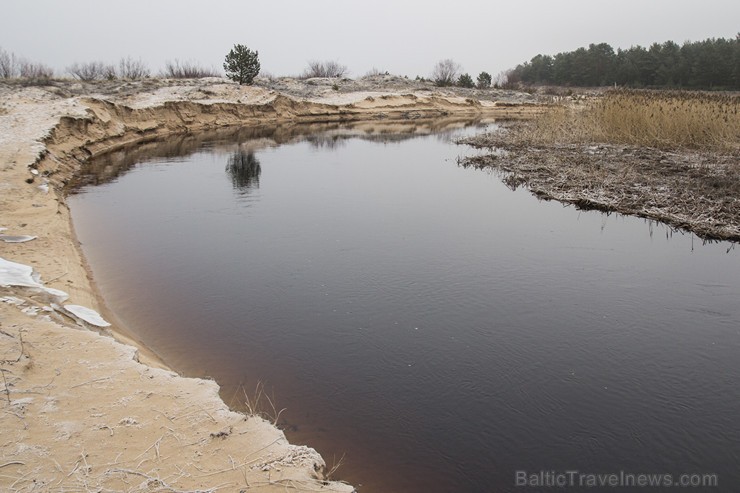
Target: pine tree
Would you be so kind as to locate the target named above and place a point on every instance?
(242, 64)
(465, 80)
(484, 80)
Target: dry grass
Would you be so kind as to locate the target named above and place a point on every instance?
(261, 404)
(669, 156)
(660, 119)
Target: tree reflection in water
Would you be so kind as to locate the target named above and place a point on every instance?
(244, 170)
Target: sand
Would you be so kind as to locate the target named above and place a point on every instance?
(83, 406)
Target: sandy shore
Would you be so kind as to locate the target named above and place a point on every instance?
(83, 407)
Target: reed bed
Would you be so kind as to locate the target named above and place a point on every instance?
(666, 155)
(660, 119)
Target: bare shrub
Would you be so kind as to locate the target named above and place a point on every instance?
(92, 71)
(325, 69)
(508, 79)
(8, 65)
(34, 70)
(187, 70)
(374, 72)
(12, 66)
(128, 68)
(445, 73)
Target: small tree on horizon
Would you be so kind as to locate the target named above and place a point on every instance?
(484, 80)
(242, 64)
(465, 80)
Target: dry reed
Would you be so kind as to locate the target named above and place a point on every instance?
(660, 119)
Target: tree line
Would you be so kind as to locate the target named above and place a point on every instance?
(709, 64)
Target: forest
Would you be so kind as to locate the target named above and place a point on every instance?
(710, 64)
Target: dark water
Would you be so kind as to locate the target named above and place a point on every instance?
(440, 330)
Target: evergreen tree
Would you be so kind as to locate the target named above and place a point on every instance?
(709, 64)
(484, 80)
(242, 64)
(465, 80)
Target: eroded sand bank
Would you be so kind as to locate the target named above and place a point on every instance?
(83, 408)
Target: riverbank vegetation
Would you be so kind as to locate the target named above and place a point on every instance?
(660, 119)
(669, 156)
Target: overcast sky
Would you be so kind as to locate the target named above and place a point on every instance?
(402, 37)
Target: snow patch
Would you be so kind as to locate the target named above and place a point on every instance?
(87, 315)
(14, 274)
(17, 239)
(57, 294)
(12, 300)
(31, 310)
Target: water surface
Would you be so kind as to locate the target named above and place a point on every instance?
(437, 328)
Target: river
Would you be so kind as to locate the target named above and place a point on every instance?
(434, 328)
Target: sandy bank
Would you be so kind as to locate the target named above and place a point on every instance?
(79, 412)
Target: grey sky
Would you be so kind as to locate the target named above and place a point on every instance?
(403, 37)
